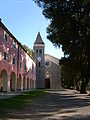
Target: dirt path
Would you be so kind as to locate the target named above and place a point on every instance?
(59, 105)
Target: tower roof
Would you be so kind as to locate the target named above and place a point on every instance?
(38, 39)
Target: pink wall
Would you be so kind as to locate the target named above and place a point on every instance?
(20, 56)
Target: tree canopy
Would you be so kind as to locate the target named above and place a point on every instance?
(70, 27)
(29, 51)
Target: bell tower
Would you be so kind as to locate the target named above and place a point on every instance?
(39, 59)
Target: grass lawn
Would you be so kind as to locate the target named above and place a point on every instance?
(20, 101)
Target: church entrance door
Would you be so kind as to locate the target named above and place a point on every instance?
(47, 83)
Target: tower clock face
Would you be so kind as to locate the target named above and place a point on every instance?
(39, 59)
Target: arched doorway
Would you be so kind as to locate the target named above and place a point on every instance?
(24, 83)
(47, 83)
(12, 81)
(47, 79)
(3, 80)
(19, 82)
(28, 83)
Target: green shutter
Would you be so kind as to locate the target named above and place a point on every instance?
(13, 60)
(6, 37)
(14, 44)
(25, 67)
(5, 55)
(20, 64)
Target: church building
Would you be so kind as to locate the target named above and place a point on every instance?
(48, 70)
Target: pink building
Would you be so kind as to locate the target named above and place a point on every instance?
(17, 69)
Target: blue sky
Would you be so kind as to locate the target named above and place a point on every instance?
(24, 20)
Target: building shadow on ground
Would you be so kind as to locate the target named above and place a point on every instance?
(55, 106)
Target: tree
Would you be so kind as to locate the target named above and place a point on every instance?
(29, 51)
(70, 27)
(70, 73)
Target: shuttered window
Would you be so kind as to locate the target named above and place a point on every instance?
(6, 37)
(13, 60)
(5, 55)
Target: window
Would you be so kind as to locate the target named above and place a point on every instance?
(20, 64)
(25, 67)
(40, 51)
(14, 44)
(6, 37)
(39, 64)
(13, 60)
(20, 50)
(36, 64)
(47, 63)
(36, 50)
(5, 55)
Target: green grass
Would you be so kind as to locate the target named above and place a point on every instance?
(20, 101)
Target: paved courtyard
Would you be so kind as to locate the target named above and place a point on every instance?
(59, 105)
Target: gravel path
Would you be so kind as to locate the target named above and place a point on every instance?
(59, 105)
(4, 95)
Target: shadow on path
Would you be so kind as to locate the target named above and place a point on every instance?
(58, 105)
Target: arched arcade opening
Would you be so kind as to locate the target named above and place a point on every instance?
(28, 83)
(3, 80)
(12, 81)
(19, 80)
(24, 83)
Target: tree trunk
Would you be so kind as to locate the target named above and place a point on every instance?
(77, 85)
(83, 89)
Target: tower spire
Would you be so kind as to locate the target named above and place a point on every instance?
(38, 39)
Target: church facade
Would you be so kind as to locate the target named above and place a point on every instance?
(48, 70)
(52, 72)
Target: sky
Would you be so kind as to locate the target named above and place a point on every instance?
(24, 19)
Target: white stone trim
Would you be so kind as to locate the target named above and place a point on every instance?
(39, 45)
